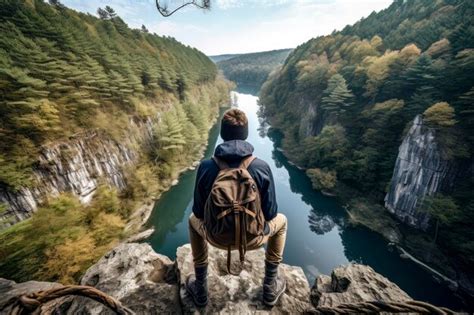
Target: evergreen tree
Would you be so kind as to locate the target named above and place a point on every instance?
(443, 209)
(465, 107)
(57, 4)
(337, 97)
(103, 14)
(65, 71)
(420, 74)
(397, 63)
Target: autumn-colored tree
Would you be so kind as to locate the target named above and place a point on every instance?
(413, 58)
(67, 262)
(322, 179)
(378, 70)
(62, 72)
(440, 115)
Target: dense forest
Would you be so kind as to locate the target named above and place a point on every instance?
(251, 69)
(63, 73)
(344, 103)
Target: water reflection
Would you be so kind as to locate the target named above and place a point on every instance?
(320, 224)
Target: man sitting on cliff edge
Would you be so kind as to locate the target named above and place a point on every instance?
(235, 209)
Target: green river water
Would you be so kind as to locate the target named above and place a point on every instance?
(319, 238)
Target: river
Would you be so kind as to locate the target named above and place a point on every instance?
(319, 238)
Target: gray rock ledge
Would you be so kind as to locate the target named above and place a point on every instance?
(150, 283)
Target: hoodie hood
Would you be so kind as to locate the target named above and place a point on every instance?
(233, 150)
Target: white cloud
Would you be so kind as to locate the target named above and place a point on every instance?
(123, 8)
(177, 30)
(270, 24)
(301, 21)
(231, 4)
(228, 4)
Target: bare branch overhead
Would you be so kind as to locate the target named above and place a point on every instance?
(164, 10)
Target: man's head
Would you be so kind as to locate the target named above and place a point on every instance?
(234, 125)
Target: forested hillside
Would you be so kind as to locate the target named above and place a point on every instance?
(72, 81)
(344, 103)
(252, 69)
(64, 71)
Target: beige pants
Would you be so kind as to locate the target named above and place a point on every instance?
(275, 239)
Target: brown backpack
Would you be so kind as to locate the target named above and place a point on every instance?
(233, 211)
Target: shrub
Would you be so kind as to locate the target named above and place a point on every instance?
(322, 179)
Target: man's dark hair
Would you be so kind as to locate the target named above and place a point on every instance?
(234, 125)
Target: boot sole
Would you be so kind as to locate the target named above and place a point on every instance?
(275, 301)
(193, 298)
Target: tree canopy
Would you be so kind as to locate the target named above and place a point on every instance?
(345, 101)
(62, 72)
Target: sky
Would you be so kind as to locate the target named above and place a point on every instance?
(240, 26)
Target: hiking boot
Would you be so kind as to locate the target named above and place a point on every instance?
(196, 286)
(273, 285)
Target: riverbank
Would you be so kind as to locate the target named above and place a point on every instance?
(137, 225)
(139, 218)
(365, 211)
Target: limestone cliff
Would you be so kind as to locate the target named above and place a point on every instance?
(420, 171)
(150, 283)
(76, 166)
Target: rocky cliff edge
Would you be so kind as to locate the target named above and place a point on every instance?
(150, 283)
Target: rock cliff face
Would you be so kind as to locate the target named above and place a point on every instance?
(74, 166)
(420, 171)
(352, 284)
(133, 273)
(312, 122)
(150, 283)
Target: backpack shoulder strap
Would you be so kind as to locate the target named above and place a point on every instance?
(247, 161)
(220, 163)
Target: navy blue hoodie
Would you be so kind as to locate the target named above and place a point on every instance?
(233, 152)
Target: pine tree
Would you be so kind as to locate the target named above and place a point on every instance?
(465, 108)
(103, 14)
(65, 71)
(110, 12)
(462, 37)
(169, 141)
(419, 74)
(166, 80)
(442, 209)
(181, 85)
(338, 97)
(57, 4)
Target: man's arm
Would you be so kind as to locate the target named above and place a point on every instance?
(199, 199)
(264, 178)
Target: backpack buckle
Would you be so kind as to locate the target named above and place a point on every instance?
(236, 207)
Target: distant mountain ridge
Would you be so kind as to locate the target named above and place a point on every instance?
(250, 69)
(218, 58)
